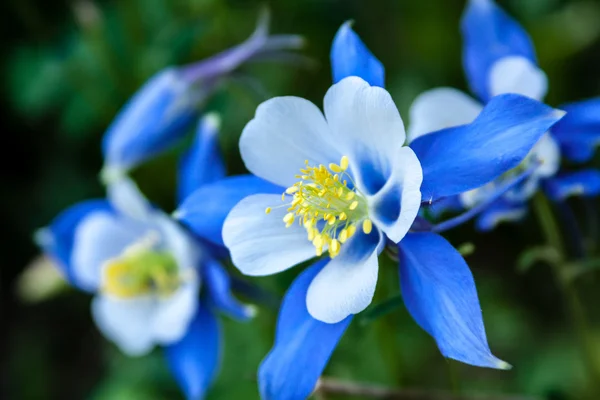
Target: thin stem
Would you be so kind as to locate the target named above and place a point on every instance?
(341, 388)
(551, 231)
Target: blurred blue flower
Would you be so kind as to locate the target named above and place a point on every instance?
(498, 58)
(349, 185)
(161, 111)
(146, 271)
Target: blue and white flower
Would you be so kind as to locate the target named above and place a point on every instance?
(154, 284)
(160, 113)
(343, 184)
(499, 58)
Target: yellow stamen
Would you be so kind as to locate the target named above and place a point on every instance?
(344, 163)
(367, 226)
(268, 210)
(353, 205)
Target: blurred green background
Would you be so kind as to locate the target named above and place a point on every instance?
(68, 66)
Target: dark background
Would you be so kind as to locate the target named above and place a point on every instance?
(68, 66)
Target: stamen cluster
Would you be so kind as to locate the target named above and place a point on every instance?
(328, 209)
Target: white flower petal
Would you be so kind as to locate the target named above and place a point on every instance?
(100, 237)
(367, 127)
(126, 197)
(177, 241)
(346, 285)
(126, 322)
(547, 152)
(173, 314)
(284, 133)
(439, 109)
(259, 243)
(517, 75)
(394, 208)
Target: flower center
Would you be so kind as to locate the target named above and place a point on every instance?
(141, 270)
(329, 210)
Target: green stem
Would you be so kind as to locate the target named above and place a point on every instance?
(551, 231)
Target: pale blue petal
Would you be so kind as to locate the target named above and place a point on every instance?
(439, 292)
(194, 360)
(578, 133)
(500, 211)
(581, 183)
(302, 347)
(58, 238)
(350, 57)
(490, 34)
(259, 243)
(154, 119)
(203, 162)
(204, 211)
(462, 158)
(217, 283)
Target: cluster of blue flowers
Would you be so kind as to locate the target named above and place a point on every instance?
(339, 184)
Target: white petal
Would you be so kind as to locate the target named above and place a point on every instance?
(100, 237)
(395, 206)
(547, 152)
(173, 314)
(346, 285)
(284, 133)
(439, 109)
(517, 75)
(126, 322)
(367, 127)
(126, 197)
(177, 241)
(259, 243)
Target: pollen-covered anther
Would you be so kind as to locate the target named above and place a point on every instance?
(325, 206)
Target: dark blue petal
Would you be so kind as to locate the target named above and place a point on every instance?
(350, 57)
(465, 157)
(154, 119)
(490, 34)
(580, 183)
(302, 347)
(218, 286)
(204, 211)
(439, 292)
(579, 131)
(202, 163)
(500, 211)
(194, 360)
(57, 239)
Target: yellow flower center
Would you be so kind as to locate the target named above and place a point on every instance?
(141, 271)
(328, 209)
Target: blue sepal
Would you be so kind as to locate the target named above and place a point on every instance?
(303, 345)
(194, 360)
(581, 183)
(500, 211)
(57, 239)
(490, 34)
(218, 288)
(202, 163)
(462, 158)
(350, 57)
(153, 120)
(579, 131)
(205, 210)
(439, 292)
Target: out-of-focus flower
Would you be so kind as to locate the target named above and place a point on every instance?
(153, 282)
(349, 185)
(498, 58)
(162, 110)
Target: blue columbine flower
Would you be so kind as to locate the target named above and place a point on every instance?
(162, 110)
(349, 186)
(154, 284)
(499, 58)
